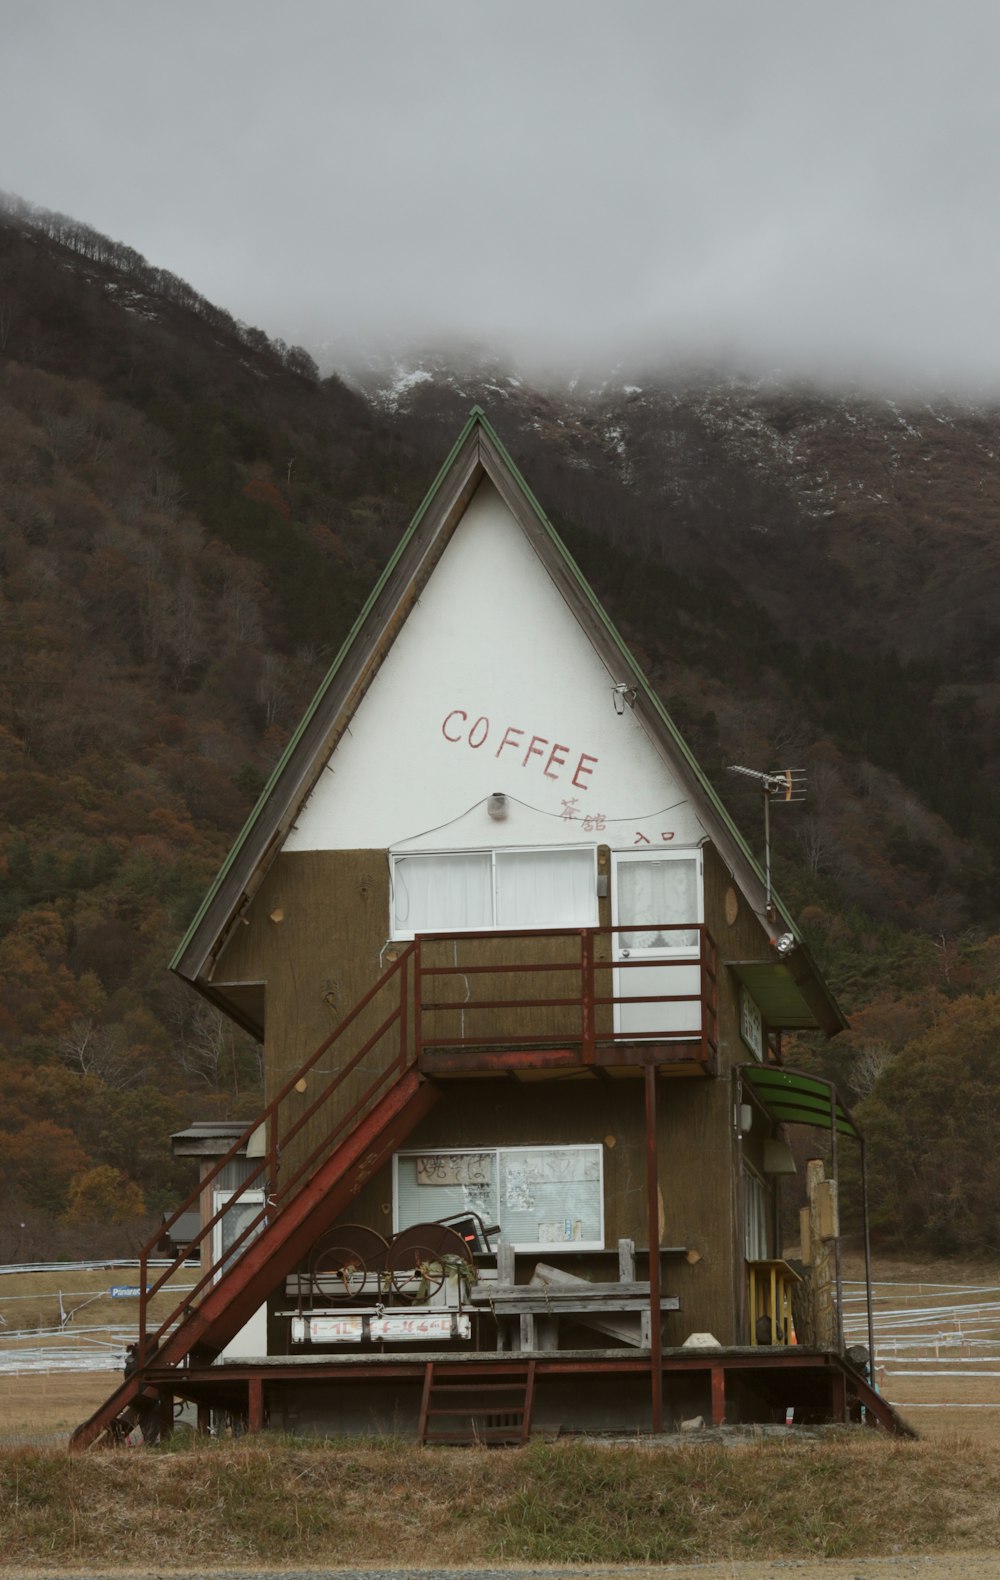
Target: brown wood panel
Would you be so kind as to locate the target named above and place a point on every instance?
(694, 1126)
(743, 938)
(696, 1176)
(316, 934)
(545, 1023)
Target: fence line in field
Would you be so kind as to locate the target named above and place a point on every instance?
(913, 1338)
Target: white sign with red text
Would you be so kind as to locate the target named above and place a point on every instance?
(400, 1328)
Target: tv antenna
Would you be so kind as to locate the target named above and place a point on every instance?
(783, 784)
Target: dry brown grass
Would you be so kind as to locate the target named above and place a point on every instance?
(31, 1300)
(386, 1503)
(394, 1504)
(43, 1403)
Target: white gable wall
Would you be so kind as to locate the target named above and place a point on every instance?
(492, 685)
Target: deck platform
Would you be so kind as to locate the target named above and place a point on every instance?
(573, 1390)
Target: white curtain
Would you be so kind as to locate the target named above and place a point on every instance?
(546, 888)
(442, 894)
(459, 891)
(662, 889)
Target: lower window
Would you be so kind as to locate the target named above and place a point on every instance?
(540, 1196)
(755, 1198)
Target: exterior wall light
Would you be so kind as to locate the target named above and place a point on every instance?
(622, 693)
(498, 806)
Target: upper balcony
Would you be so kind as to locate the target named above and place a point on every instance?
(616, 998)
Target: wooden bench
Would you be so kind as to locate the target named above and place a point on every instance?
(528, 1315)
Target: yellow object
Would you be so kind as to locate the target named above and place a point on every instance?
(771, 1283)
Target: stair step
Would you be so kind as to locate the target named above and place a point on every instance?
(478, 1388)
(481, 1412)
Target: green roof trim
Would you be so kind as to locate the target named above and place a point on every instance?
(794, 1098)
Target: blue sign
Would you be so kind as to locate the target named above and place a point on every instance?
(126, 1291)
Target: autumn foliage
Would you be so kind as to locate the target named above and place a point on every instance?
(189, 523)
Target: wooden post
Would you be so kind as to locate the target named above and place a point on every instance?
(404, 1011)
(718, 1396)
(653, 1240)
(838, 1396)
(255, 1404)
(868, 1260)
(835, 1172)
(823, 1231)
(626, 1261)
(165, 1406)
(588, 1029)
(418, 994)
(505, 1262)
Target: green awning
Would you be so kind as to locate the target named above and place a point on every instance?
(793, 1098)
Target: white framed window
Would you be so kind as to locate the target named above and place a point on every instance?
(755, 1215)
(751, 1024)
(540, 1196)
(503, 890)
(230, 1226)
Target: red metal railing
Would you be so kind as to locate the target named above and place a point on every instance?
(400, 1010)
(590, 990)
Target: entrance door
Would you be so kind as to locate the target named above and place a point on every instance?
(252, 1336)
(654, 894)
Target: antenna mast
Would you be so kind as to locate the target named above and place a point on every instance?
(788, 784)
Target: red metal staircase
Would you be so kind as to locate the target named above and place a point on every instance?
(360, 1130)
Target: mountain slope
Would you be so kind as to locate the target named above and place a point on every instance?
(190, 519)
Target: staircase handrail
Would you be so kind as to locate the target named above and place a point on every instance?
(404, 1057)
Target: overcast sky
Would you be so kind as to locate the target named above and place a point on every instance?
(782, 183)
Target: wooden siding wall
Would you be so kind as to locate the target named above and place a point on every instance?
(742, 939)
(316, 932)
(693, 1127)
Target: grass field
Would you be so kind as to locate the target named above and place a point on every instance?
(846, 1493)
(391, 1503)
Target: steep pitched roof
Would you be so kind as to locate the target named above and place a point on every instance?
(478, 453)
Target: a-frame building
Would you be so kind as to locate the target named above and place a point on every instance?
(512, 964)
